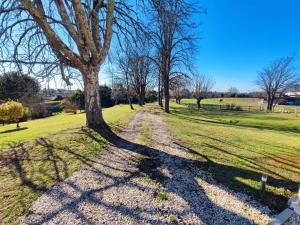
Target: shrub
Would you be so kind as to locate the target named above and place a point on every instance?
(70, 106)
(163, 196)
(11, 111)
(16, 86)
(151, 96)
(38, 110)
(172, 218)
(53, 107)
(78, 96)
(106, 95)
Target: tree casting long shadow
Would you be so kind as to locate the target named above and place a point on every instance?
(150, 165)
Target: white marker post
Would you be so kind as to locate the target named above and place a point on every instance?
(264, 179)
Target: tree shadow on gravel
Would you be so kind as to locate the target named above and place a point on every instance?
(185, 186)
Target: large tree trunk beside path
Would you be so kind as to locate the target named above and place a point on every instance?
(94, 116)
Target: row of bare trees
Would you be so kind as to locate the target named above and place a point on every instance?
(136, 69)
(39, 36)
(70, 37)
(63, 35)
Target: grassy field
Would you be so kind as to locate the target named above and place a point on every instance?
(57, 148)
(59, 123)
(238, 147)
(243, 102)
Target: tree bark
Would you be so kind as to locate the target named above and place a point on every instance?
(161, 98)
(94, 116)
(140, 100)
(159, 91)
(143, 93)
(129, 101)
(270, 103)
(167, 95)
(127, 90)
(198, 103)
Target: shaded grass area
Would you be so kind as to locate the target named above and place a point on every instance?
(237, 154)
(27, 169)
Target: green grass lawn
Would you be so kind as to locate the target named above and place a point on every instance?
(54, 124)
(238, 147)
(55, 148)
(255, 103)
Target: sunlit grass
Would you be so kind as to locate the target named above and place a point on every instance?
(243, 102)
(58, 148)
(239, 147)
(62, 122)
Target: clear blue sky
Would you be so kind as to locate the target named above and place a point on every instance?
(239, 37)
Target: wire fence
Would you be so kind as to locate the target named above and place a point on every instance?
(233, 107)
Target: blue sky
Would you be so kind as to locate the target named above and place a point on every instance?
(239, 37)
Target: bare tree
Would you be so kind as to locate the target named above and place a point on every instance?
(178, 84)
(54, 35)
(123, 63)
(202, 85)
(233, 90)
(141, 68)
(276, 78)
(170, 30)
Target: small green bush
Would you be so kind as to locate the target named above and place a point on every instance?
(172, 218)
(163, 196)
(11, 111)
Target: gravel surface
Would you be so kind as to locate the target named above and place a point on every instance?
(136, 184)
(293, 220)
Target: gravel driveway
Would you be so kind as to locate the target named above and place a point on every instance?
(136, 184)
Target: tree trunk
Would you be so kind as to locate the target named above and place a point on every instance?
(270, 103)
(94, 116)
(159, 91)
(140, 99)
(143, 94)
(167, 96)
(161, 99)
(129, 101)
(198, 103)
(127, 90)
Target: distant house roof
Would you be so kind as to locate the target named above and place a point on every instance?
(293, 94)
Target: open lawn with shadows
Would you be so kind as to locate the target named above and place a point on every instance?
(116, 116)
(13, 130)
(260, 120)
(113, 190)
(28, 169)
(238, 154)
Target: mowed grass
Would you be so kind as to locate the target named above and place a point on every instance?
(59, 123)
(238, 147)
(57, 148)
(243, 102)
